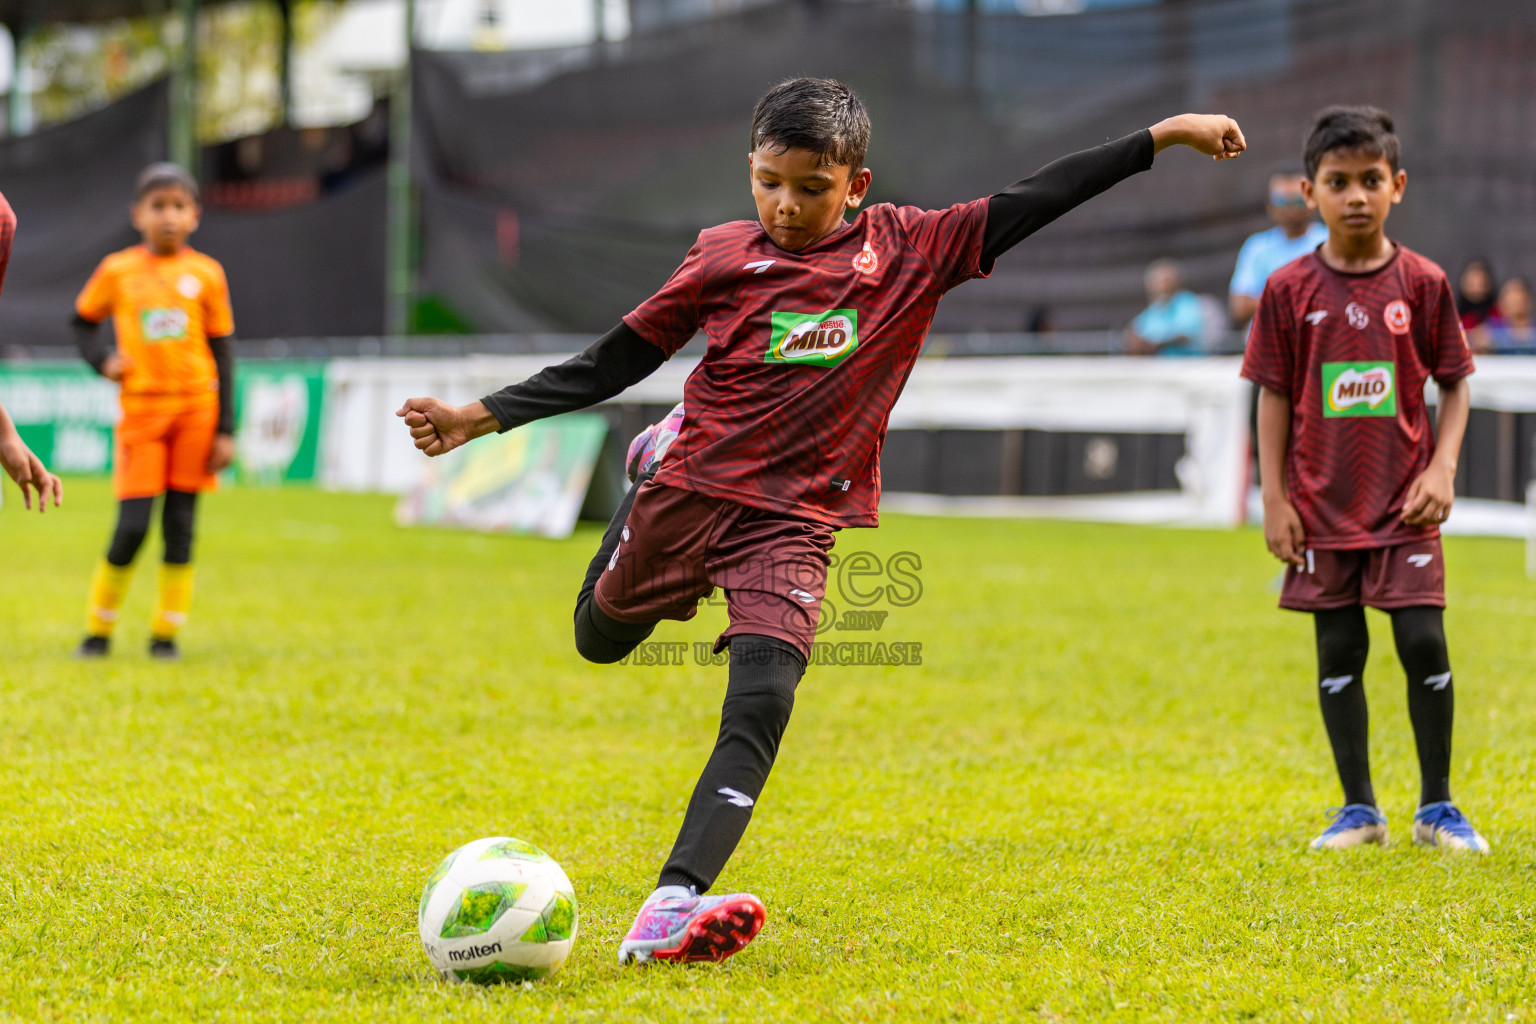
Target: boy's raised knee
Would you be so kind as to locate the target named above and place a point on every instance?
(605, 640)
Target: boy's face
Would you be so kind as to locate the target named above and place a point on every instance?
(165, 217)
(1354, 192)
(801, 200)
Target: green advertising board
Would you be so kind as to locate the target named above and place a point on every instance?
(65, 413)
(278, 405)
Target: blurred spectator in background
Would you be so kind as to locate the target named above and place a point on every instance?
(1040, 321)
(1296, 233)
(1510, 328)
(1174, 323)
(1474, 293)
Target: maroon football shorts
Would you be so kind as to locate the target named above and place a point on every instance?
(677, 546)
(1401, 576)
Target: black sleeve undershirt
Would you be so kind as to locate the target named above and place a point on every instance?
(621, 357)
(94, 349)
(1025, 207)
(223, 350)
(608, 366)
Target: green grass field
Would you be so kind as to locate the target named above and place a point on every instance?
(1090, 802)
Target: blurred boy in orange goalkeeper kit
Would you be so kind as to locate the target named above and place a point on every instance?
(175, 360)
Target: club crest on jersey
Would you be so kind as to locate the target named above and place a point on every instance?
(1397, 317)
(867, 261)
(1359, 389)
(816, 339)
(163, 324)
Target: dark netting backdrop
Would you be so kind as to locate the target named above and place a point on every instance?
(305, 271)
(560, 188)
(71, 187)
(315, 269)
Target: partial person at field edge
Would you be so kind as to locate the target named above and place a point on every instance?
(1355, 481)
(174, 360)
(18, 461)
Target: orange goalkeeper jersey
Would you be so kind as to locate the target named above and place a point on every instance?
(163, 309)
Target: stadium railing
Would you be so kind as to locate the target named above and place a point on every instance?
(992, 422)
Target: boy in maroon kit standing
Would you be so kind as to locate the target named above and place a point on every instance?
(1355, 482)
(814, 325)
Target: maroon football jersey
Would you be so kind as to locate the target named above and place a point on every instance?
(807, 352)
(1353, 353)
(7, 234)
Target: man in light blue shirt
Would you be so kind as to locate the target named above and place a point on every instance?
(1173, 324)
(1295, 234)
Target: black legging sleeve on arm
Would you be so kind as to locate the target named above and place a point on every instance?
(223, 350)
(94, 349)
(1025, 207)
(610, 364)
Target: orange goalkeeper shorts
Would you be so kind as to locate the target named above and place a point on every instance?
(160, 449)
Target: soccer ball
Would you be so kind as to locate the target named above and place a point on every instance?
(498, 909)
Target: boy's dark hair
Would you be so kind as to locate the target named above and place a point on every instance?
(819, 114)
(164, 175)
(1367, 130)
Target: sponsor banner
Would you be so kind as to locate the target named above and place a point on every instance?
(65, 413)
(278, 406)
(817, 339)
(159, 325)
(1359, 389)
(530, 480)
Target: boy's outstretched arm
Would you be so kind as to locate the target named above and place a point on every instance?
(1283, 532)
(1026, 206)
(1434, 490)
(612, 363)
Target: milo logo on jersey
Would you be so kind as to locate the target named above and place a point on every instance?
(1359, 389)
(163, 324)
(816, 339)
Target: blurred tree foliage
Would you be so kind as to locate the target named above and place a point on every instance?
(76, 68)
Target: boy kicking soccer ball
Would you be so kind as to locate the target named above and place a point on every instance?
(814, 324)
(1355, 482)
(175, 360)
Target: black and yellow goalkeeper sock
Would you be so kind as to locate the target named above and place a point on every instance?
(108, 588)
(174, 602)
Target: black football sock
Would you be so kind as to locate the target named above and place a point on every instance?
(1343, 643)
(133, 515)
(1420, 636)
(176, 520)
(599, 637)
(759, 697)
